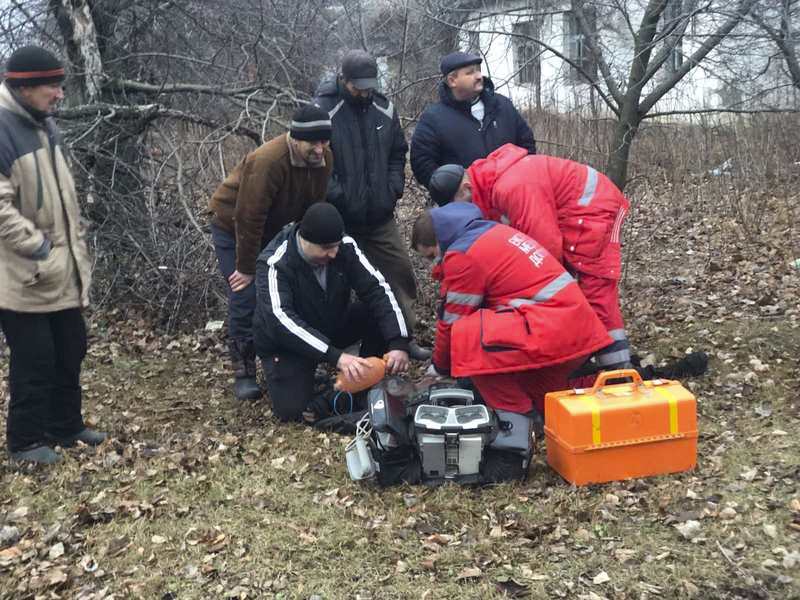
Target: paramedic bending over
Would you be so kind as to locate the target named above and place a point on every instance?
(510, 317)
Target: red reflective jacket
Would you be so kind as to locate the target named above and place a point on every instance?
(575, 212)
(506, 304)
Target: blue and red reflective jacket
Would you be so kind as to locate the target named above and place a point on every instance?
(506, 304)
(575, 212)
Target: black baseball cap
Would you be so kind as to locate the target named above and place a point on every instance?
(360, 69)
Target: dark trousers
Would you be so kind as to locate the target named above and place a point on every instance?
(384, 248)
(241, 304)
(290, 377)
(44, 376)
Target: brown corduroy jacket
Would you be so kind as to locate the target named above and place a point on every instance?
(262, 194)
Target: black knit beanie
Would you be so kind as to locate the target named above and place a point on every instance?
(310, 124)
(444, 183)
(31, 66)
(322, 224)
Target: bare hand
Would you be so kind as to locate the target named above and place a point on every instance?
(238, 281)
(396, 361)
(354, 367)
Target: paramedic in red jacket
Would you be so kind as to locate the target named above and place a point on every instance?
(511, 318)
(575, 212)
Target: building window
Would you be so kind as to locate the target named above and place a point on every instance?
(673, 13)
(526, 53)
(577, 49)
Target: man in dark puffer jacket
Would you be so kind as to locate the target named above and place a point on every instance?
(369, 151)
(469, 121)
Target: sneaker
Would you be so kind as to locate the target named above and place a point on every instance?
(90, 437)
(40, 455)
(417, 352)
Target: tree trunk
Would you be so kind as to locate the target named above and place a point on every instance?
(624, 131)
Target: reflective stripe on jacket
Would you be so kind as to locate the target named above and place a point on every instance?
(506, 304)
(575, 212)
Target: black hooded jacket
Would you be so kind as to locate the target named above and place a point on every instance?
(294, 314)
(369, 157)
(447, 133)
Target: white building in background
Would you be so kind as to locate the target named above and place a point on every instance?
(534, 76)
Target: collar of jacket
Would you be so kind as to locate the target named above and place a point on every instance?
(299, 161)
(11, 101)
(465, 106)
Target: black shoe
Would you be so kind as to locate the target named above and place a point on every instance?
(691, 365)
(40, 455)
(87, 436)
(417, 352)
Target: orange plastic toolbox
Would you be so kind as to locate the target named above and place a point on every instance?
(614, 432)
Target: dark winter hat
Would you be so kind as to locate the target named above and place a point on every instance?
(456, 60)
(360, 69)
(310, 123)
(31, 66)
(322, 224)
(444, 183)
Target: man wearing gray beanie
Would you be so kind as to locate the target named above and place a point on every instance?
(272, 186)
(45, 265)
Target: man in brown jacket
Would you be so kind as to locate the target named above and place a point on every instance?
(45, 269)
(271, 187)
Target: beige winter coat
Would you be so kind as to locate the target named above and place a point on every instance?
(38, 200)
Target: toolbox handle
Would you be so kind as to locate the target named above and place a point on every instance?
(617, 374)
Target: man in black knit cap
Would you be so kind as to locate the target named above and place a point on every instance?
(270, 187)
(304, 316)
(45, 267)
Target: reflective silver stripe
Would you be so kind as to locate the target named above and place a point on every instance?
(613, 358)
(309, 124)
(464, 299)
(277, 309)
(505, 220)
(616, 232)
(547, 292)
(336, 108)
(388, 111)
(618, 334)
(449, 317)
(401, 322)
(589, 188)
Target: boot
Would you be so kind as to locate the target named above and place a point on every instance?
(417, 352)
(243, 358)
(40, 455)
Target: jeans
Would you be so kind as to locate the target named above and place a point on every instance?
(241, 304)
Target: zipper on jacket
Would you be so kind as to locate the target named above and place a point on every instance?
(67, 224)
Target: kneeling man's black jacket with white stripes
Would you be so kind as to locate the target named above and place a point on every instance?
(294, 313)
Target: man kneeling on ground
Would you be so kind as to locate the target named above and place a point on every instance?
(510, 317)
(304, 280)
